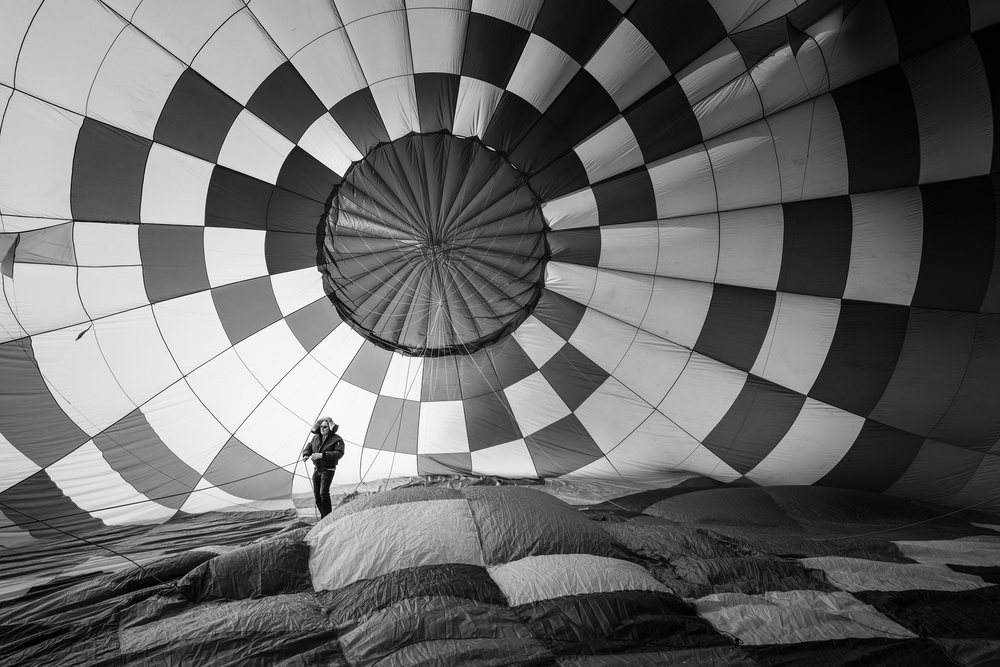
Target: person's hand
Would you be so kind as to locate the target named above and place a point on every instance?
(316, 457)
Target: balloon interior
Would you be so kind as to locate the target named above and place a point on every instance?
(657, 332)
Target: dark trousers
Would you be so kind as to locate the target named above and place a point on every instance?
(321, 490)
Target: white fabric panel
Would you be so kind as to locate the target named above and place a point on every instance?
(572, 211)
(603, 339)
(474, 107)
(750, 247)
(208, 498)
(227, 388)
(337, 351)
(511, 459)
(238, 57)
(745, 167)
(611, 413)
(355, 10)
(711, 70)
(98, 244)
(11, 224)
(14, 466)
(87, 479)
(270, 353)
(396, 100)
(352, 408)
(659, 444)
(10, 329)
(293, 25)
(45, 297)
(538, 341)
(382, 45)
(983, 14)
(651, 366)
(683, 183)
(542, 72)
(734, 12)
(734, 105)
(571, 280)
(37, 145)
(294, 290)
(677, 310)
(688, 247)
(232, 255)
(954, 113)
(622, 295)
(186, 426)
(437, 39)
(798, 339)
(857, 574)
(113, 289)
(183, 26)
(79, 379)
(191, 328)
(519, 12)
(886, 244)
(331, 84)
(627, 65)
(702, 395)
(814, 444)
(442, 428)
(790, 617)
(611, 150)
(254, 148)
(136, 354)
(980, 551)
(631, 247)
(784, 80)
(300, 391)
(376, 464)
(812, 155)
(133, 84)
(765, 12)
(535, 578)
(274, 432)
(381, 540)
(174, 188)
(873, 41)
(326, 141)
(403, 378)
(59, 59)
(534, 403)
(17, 18)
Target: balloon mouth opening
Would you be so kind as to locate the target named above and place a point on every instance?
(434, 245)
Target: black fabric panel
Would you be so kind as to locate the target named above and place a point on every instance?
(988, 43)
(988, 573)
(511, 362)
(477, 374)
(880, 131)
(756, 422)
(816, 253)
(578, 27)
(173, 261)
(489, 421)
(679, 30)
(542, 145)
(955, 614)
(573, 376)
(559, 313)
(313, 323)
(663, 121)
(237, 200)
(367, 368)
(853, 651)
(862, 355)
(492, 49)
(440, 381)
(877, 459)
(761, 41)
(289, 212)
(359, 117)
(576, 246)
(196, 117)
(510, 122)
(444, 464)
(38, 505)
(303, 174)
(272, 567)
(919, 28)
(956, 262)
(562, 177)
(627, 197)
(622, 621)
(246, 307)
(736, 324)
(437, 97)
(393, 425)
(108, 167)
(286, 102)
(562, 447)
(289, 252)
(582, 108)
(244, 473)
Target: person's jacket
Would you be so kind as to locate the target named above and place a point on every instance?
(332, 448)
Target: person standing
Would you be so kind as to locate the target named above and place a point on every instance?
(324, 449)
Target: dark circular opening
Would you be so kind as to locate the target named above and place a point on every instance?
(435, 245)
